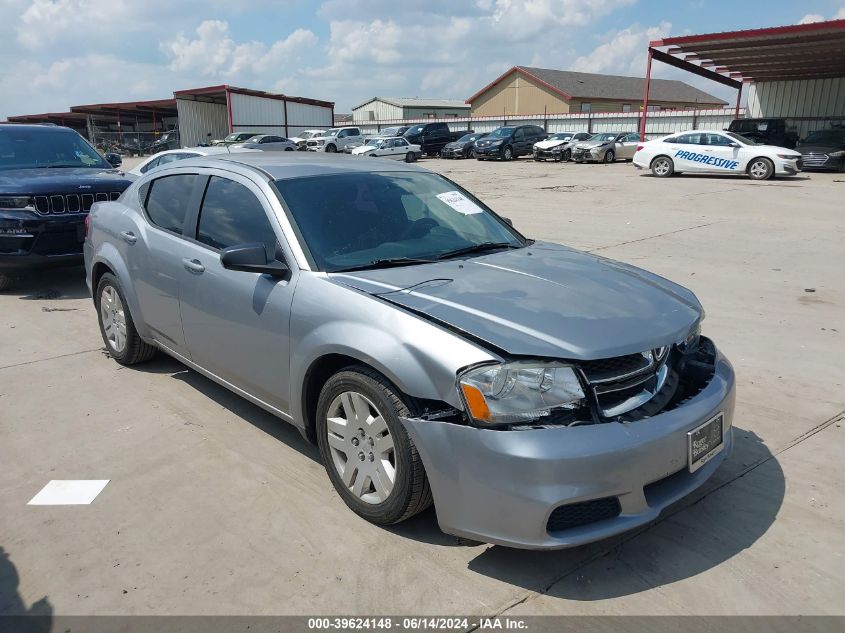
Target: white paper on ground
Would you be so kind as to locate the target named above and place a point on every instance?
(459, 202)
(69, 492)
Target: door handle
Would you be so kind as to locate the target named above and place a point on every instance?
(128, 237)
(193, 265)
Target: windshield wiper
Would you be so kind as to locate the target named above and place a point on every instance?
(66, 166)
(477, 248)
(388, 262)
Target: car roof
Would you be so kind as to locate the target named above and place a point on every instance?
(280, 166)
(37, 127)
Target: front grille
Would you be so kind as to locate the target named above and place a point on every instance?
(623, 383)
(59, 203)
(815, 160)
(583, 513)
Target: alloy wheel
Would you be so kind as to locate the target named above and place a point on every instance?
(759, 169)
(361, 447)
(661, 167)
(113, 317)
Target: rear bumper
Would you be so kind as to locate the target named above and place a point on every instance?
(502, 486)
(30, 241)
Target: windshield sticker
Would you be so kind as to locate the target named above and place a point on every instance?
(707, 160)
(459, 202)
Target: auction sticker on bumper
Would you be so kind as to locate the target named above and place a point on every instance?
(705, 442)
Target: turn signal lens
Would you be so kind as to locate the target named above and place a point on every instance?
(639, 147)
(476, 403)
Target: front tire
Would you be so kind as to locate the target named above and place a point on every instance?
(507, 153)
(116, 325)
(331, 149)
(371, 460)
(761, 169)
(609, 156)
(662, 167)
(410, 157)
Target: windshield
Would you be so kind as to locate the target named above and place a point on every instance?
(417, 129)
(501, 132)
(307, 135)
(466, 138)
(350, 220)
(392, 131)
(604, 137)
(24, 148)
(254, 139)
(560, 136)
(332, 132)
(742, 139)
(827, 138)
(374, 141)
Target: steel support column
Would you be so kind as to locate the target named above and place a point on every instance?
(647, 89)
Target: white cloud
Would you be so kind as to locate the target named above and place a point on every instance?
(518, 19)
(214, 53)
(622, 52)
(810, 18)
(840, 15)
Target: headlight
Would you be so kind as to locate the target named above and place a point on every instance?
(789, 156)
(837, 154)
(499, 142)
(519, 392)
(15, 202)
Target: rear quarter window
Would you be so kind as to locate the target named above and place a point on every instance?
(167, 200)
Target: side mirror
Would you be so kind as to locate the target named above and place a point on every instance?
(733, 144)
(508, 221)
(113, 159)
(252, 258)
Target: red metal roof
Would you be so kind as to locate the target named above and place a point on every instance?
(798, 51)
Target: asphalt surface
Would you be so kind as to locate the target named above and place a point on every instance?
(215, 507)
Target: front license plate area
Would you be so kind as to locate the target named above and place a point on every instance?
(705, 442)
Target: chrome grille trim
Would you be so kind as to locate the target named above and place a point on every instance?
(609, 378)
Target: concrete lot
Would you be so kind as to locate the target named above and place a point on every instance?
(215, 507)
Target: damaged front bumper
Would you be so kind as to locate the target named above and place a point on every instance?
(504, 487)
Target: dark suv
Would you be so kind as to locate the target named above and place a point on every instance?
(49, 178)
(509, 142)
(765, 131)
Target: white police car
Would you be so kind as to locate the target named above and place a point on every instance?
(715, 152)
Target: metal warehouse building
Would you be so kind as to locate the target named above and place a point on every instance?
(530, 91)
(397, 108)
(795, 72)
(212, 112)
(199, 115)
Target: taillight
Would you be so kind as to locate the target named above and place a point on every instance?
(87, 224)
(639, 147)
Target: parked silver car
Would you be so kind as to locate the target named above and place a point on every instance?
(542, 397)
(607, 147)
(268, 143)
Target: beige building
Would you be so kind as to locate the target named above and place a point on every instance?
(526, 90)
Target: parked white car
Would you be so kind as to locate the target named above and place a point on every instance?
(303, 137)
(558, 146)
(172, 155)
(335, 139)
(712, 151)
(268, 143)
(396, 148)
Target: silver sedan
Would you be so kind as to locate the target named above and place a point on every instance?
(539, 396)
(268, 143)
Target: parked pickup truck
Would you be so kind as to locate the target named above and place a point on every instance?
(765, 131)
(432, 137)
(334, 139)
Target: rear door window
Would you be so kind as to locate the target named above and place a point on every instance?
(168, 200)
(231, 215)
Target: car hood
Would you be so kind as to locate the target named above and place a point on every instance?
(457, 145)
(549, 144)
(70, 180)
(484, 142)
(545, 300)
(592, 143)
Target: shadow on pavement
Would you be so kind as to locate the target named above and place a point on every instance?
(39, 615)
(255, 415)
(50, 284)
(696, 534)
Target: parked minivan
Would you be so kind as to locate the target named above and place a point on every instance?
(509, 142)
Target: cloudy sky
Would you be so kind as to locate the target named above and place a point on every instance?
(58, 53)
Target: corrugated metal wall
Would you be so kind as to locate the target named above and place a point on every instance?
(304, 116)
(257, 114)
(198, 120)
(376, 111)
(809, 104)
(658, 123)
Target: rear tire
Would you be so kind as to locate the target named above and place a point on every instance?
(376, 406)
(410, 157)
(662, 167)
(6, 282)
(761, 169)
(133, 349)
